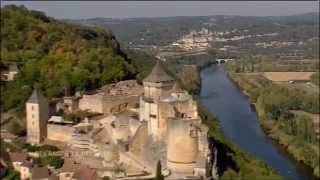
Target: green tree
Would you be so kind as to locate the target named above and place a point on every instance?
(159, 175)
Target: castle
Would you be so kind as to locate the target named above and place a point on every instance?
(167, 119)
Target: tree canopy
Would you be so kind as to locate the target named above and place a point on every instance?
(63, 58)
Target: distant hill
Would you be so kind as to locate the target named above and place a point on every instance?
(61, 57)
(161, 31)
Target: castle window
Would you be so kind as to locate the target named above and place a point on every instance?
(153, 116)
(32, 108)
(193, 133)
(32, 116)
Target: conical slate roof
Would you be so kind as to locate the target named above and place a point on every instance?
(158, 74)
(176, 88)
(36, 96)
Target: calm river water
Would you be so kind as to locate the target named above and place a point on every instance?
(240, 124)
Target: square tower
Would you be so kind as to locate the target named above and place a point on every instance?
(37, 117)
(156, 85)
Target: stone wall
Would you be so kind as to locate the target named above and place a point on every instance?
(60, 132)
(157, 90)
(91, 103)
(139, 140)
(115, 104)
(183, 144)
(107, 104)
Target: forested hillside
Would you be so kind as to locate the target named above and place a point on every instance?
(62, 58)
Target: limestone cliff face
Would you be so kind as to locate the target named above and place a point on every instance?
(212, 161)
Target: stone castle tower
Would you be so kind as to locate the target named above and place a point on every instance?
(37, 117)
(172, 117)
(156, 85)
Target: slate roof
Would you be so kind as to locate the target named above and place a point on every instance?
(36, 96)
(176, 88)
(158, 74)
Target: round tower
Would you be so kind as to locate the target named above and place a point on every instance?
(182, 146)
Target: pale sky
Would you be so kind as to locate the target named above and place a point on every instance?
(125, 9)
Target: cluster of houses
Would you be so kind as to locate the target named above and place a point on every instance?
(71, 169)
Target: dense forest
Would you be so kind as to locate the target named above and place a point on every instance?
(59, 57)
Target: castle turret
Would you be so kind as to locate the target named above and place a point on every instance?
(156, 85)
(182, 151)
(37, 116)
(157, 82)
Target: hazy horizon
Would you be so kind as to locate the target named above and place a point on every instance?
(154, 9)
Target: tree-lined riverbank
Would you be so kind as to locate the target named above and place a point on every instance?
(274, 105)
(233, 162)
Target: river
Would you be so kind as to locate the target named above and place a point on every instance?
(240, 124)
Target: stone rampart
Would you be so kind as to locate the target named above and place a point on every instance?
(60, 132)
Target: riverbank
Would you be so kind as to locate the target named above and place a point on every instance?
(234, 163)
(275, 117)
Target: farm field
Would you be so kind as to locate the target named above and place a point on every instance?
(288, 76)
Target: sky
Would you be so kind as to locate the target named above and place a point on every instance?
(131, 9)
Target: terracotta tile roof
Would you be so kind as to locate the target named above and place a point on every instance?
(27, 164)
(53, 177)
(18, 157)
(81, 172)
(69, 165)
(85, 173)
(40, 172)
(7, 135)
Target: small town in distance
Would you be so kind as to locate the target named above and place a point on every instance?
(182, 97)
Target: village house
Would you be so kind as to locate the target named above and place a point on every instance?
(8, 73)
(7, 136)
(72, 170)
(22, 164)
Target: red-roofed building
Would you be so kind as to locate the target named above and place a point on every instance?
(7, 136)
(73, 170)
(40, 173)
(21, 163)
